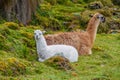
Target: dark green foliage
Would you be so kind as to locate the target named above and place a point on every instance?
(87, 1)
(106, 12)
(52, 2)
(4, 30)
(63, 2)
(95, 5)
(84, 18)
(107, 3)
(12, 25)
(116, 2)
(53, 17)
(11, 41)
(12, 67)
(2, 42)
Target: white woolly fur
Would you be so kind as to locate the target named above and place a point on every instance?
(45, 52)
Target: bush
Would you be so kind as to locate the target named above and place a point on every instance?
(2, 41)
(12, 67)
(48, 22)
(104, 27)
(114, 24)
(52, 2)
(87, 1)
(27, 34)
(95, 5)
(64, 2)
(84, 18)
(107, 12)
(116, 2)
(12, 25)
(4, 30)
(107, 3)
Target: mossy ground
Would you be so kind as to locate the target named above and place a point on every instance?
(18, 59)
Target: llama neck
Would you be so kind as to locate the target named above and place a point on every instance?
(41, 44)
(92, 28)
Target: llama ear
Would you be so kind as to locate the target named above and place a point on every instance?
(43, 32)
(91, 15)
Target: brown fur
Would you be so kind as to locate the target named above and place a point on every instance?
(82, 41)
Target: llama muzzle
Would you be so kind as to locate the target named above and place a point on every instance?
(103, 19)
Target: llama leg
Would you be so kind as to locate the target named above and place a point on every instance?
(85, 50)
(41, 60)
(90, 51)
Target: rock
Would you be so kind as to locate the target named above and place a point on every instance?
(114, 27)
(95, 5)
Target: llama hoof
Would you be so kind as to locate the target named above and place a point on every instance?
(40, 60)
(90, 52)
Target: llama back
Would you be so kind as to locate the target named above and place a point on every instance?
(66, 51)
(69, 38)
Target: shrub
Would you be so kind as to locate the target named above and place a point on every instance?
(84, 18)
(2, 41)
(65, 2)
(12, 67)
(107, 12)
(12, 25)
(116, 2)
(114, 24)
(48, 22)
(52, 2)
(4, 30)
(107, 3)
(87, 1)
(27, 34)
(95, 5)
(104, 27)
(55, 24)
(1, 19)
(28, 42)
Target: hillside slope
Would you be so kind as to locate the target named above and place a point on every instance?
(18, 58)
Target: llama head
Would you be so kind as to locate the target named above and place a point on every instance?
(98, 16)
(38, 34)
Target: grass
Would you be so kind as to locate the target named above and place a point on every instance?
(19, 44)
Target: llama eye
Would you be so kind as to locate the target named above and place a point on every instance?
(98, 17)
(102, 17)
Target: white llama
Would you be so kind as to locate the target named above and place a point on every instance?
(45, 52)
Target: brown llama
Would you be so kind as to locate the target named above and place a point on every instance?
(82, 41)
